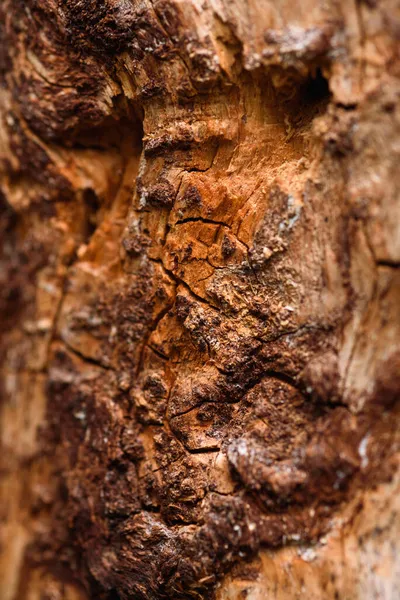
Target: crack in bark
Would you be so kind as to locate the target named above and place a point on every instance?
(85, 358)
(391, 264)
(202, 220)
(152, 328)
(44, 78)
(180, 281)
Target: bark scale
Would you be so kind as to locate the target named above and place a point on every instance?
(200, 288)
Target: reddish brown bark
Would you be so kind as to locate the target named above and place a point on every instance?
(200, 291)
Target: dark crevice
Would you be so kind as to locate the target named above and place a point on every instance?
(202, 220)
(92, 205)
(158, 352)
(392, 264)
(316, 88)
(203, 450)
(184, 284)
(153, 326)
(85, 358)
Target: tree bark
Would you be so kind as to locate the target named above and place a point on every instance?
(199, 266)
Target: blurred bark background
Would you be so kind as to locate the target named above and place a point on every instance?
(199, 265)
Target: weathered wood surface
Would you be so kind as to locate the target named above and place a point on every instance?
(199, 299)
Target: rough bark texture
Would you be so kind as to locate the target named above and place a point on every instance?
(200, 299)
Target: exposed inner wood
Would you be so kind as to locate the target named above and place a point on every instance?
(199, 267)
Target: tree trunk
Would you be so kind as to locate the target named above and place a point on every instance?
(200, 296)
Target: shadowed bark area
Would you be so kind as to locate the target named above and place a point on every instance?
(200, 288)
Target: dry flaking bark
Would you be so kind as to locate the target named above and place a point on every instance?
(200, 299)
